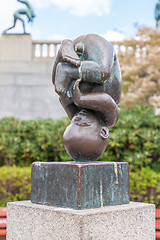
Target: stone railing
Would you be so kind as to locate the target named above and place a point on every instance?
(138, 49)
(45, 50)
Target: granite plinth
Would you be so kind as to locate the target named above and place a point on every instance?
(16, 47)
(80, 185)
(28, 221)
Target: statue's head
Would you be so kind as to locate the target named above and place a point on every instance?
(79, 48)
(85, 139)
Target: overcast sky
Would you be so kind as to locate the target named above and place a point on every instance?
(59, 19)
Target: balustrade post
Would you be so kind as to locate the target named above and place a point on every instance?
(33, 50)
(55, 50)
(41, 50)
(48, 50)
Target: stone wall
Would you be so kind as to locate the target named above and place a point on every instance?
(26, 89)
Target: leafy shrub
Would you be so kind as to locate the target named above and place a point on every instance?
(134, 139)
(23, 142)
(15, 184)
(145, 186)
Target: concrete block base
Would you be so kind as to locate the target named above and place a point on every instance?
(16, 47)
(29, 221)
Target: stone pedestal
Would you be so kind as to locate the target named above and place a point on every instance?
(16, 47)
(28, 221)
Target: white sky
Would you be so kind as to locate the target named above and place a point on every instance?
(58, 19)
(79, 8)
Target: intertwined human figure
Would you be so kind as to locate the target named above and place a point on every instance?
(87, 77)
(17, 15)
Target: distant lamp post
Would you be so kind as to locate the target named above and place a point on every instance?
(157, 14)
(29, 12)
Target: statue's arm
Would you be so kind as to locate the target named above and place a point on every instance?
(102, 103)
(25, 2)
(70, 108)
(106, 100)
(67, 54)
(91, 71)
(21, 1)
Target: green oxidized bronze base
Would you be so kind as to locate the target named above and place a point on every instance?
(80, 185)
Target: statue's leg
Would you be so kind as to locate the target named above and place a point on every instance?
(23, 23)
(100, 102)
(68, 105)
(14, 24)
(65, 75)
(24, 26)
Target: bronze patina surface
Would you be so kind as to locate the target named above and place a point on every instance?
(87, 78)
(28, 12)
(80, 185)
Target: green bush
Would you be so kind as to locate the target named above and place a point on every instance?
(134, 139)
(15, 184)
(145, 186)
(23, 142)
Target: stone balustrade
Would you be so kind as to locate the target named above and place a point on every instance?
(45, 49)
(138, 50)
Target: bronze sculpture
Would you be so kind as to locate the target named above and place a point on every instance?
(87, 78)
(157, 14)
(17, 15)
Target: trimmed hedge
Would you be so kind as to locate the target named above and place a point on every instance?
(145, 186)
(135, 139)
(15, 185)
(23, 142)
